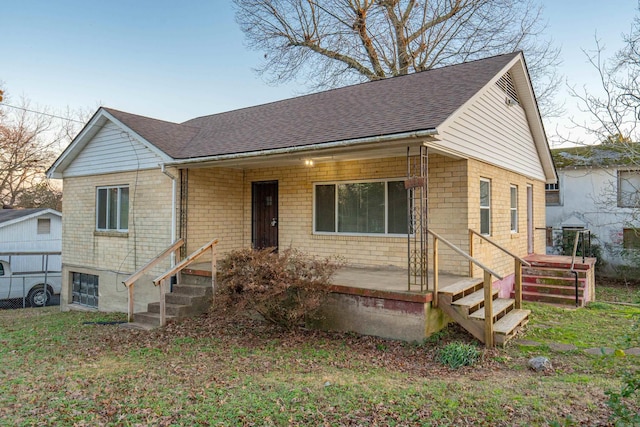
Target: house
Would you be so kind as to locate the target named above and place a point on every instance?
(598, 189)
(35, 231)
(326, 173)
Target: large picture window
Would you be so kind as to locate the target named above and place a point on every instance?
(112, 209)
(485, 206)
(377, 207)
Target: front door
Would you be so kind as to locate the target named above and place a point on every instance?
(264, 205)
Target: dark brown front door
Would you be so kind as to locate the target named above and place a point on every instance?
(264, 196)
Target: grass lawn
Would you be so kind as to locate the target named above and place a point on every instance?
(68, 369)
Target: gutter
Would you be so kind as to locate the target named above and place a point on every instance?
(305, 148)
(173, 210)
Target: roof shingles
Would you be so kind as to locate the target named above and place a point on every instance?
(419, 101)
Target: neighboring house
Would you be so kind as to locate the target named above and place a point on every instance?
(323, 173)
(33, 231)
(598, 189)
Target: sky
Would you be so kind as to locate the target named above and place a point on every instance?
(176, 60)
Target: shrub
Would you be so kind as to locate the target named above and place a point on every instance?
(457, 354)
(285, 288)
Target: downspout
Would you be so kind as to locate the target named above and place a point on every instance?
(173, 210)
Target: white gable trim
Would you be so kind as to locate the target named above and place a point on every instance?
(33, 215)
(95, 124)
(528, 103)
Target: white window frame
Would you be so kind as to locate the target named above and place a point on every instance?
(628, 201)
(485, 208)
(43, 226)
(513, 209)
(118, 227)
(336, 210)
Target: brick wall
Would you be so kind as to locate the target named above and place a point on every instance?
(114, 256)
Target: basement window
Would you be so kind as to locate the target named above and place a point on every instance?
(84, 289)
(361, 208)
(112, 209)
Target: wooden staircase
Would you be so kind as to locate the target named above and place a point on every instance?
(464, 302)
(190, 298)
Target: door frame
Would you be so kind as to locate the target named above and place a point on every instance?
(255, 213)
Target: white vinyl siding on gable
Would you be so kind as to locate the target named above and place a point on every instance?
(112, 150)
(494, 132)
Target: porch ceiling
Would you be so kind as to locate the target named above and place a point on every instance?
(316, 155)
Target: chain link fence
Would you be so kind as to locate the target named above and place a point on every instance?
(29, 279)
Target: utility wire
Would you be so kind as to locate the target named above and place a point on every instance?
(40, 112)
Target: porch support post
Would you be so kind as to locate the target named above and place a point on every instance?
(470, 252)
(214, 269)
(518, 283)
(435, 271)
(130, 307)
(488, 310)
(163, 319)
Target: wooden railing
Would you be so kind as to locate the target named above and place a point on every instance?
(517, 266)
(161, 280)
(437, 238)
(131, 280)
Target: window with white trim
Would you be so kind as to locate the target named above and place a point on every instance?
(485, 206)
(371, 207)
(629, 189)
(514, 208)
(112, 208)
(44, 226)
(552, 194)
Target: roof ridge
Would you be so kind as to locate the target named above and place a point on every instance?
(369, 82)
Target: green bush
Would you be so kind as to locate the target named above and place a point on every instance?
(285, 288)
(457, 354)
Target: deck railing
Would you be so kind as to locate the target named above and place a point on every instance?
(517, 265)
(131, 280)
(161, 281)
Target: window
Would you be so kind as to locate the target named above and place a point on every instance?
(44, 226)
(485, 206)
(552, 194)
(631, 238)
(514, 209)
(378, 207)
(112, 209)
(84, 289)
(629, 189)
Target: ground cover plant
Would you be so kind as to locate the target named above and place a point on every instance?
(74, 368)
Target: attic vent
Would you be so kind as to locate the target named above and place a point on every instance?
(506, 84)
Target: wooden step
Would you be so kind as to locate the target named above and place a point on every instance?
(473, 302)
(552, 298)
(462, 287)
(552, 289)
(552, 272)
(510, 321)
(559, 281)
(499, 306)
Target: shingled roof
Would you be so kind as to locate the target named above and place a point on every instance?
(415, 102)
(8, 215)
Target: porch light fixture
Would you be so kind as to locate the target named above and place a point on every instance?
(308, 162)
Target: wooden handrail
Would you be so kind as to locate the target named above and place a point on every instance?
(135, 276)
(465, 255)
(129, 282)
(185, 262)
(506, 251)
(161, 280)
